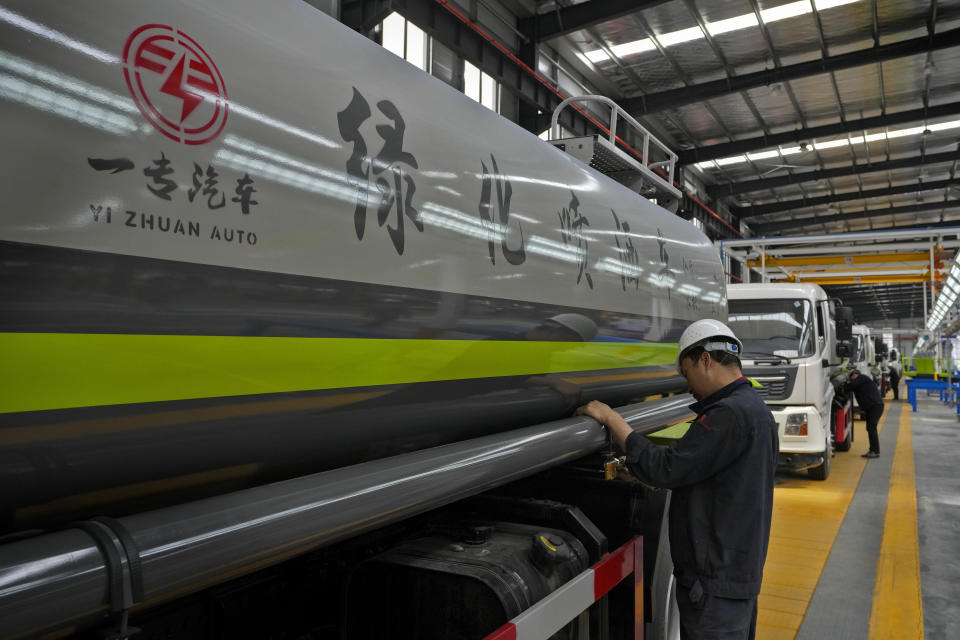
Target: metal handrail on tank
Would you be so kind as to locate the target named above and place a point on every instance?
(616, 111)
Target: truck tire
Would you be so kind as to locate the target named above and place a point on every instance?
(822, 472)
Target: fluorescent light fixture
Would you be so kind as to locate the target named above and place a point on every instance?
(625, 49)
(732, 24)
(679, 37)
(595, 56)
(763, 155)
(785, 11)
(631, 48)
(901, 133)
(734, 160)
(945, 126)
(830, 144)
(830, 4)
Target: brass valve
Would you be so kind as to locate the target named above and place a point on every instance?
(613, 466)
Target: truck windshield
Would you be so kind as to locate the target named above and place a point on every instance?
(773, 327)
(858, 346)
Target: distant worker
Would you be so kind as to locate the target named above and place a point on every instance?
(869, 400)
(722, 474)
(895, 369)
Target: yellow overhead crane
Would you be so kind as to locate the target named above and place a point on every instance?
(862, 258)
(863, 279)
(898, 267)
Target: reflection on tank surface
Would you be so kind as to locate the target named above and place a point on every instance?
(134, 456)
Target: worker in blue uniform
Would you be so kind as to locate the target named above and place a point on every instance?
(721, 473)
(868, 399)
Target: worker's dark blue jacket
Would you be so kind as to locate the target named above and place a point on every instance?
(721, 473)
(866, 391)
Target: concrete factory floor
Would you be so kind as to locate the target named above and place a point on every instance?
(872, 552)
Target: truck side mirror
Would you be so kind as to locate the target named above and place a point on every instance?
(844, 323)
(843, 350)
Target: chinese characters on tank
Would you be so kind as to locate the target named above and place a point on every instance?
(572, 226)
(162, 182)
(629, 256)
(387, 172)
(664, 275)
(381, 173)
(500, 206)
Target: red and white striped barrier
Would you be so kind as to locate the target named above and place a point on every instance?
(548, 616)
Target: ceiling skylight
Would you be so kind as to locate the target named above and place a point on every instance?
(745, 21)
(829, 144)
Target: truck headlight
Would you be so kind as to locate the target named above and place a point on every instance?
(796, 425)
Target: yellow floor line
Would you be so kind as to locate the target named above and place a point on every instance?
(807, 515)
(897, 610)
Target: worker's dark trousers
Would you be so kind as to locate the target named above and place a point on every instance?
(873, 419)
(895, 384)
(707, 617)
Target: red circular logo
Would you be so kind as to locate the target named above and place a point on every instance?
(175, 84)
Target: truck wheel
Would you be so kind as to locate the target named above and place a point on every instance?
(823, 471)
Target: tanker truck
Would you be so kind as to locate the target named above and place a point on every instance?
(292, 334)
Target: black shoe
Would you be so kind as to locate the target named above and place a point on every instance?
(870, 454)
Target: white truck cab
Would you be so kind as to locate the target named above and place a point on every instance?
(868, 355)
(863, 351)
(790, 347)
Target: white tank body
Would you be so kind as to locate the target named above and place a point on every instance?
(236, 231)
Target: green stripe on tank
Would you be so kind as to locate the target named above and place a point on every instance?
(67, 370)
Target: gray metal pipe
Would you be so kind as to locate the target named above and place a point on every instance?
(50, 468)
(59, 580)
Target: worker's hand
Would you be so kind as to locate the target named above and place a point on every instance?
(624, 475)
(596, 410)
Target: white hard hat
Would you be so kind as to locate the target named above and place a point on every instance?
(710, 334)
